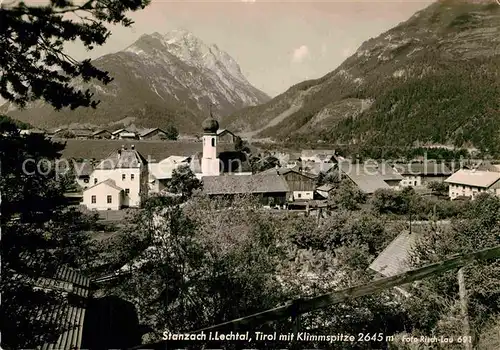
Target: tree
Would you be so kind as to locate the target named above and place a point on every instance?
(332, 177)
(434, 307)
(259, 164)
(241, 146)
(8, 122)
(183, 181)
(388, 201)
(347, 196)
(438, 187)
(33, 62)
(68, 134)
(37, 226)
(171, 132)
(192, 270)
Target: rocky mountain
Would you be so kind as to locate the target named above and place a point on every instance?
(432, 79)
(158, 80)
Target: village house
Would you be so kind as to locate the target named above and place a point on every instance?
(82, 134)
(293, 160)
(270, 190)
(318, 156)
(388, 174)
(120, 180)
(128, 136)
(32, 132)
(55, 132)
(420, 174)
(102, 134)
(124, 134)
(469, 183)
(161, 173)
(325, 190)
(152, 134)
(316, 168)
(226, 136)
(370, 177)
(301, 185)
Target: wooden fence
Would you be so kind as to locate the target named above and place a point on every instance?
(300, 306)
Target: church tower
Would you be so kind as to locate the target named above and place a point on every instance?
(210, 165)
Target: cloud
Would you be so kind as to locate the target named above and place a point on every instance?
(300, 54)
(324, 49)
(248, 1)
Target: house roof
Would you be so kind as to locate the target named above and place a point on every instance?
(107, 182)
(146, 132)
(488, 167)
(284, 171)
(101, 131)
(423, 168)
(393, 259)
(316, 168)
(68, 315)
(119, 131)
(81, 132)
(367, 179)
(317, 153)
(175, 159)
(270, 171)
(83, 169)
(241, 184)
(326, 188)
(165, 168)
(386, 171)
(223, 131)
(476, 178)
(122, 159)
(55, 130)
(127, 134)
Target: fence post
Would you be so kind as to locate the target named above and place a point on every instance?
(464, 309)
(295, 311)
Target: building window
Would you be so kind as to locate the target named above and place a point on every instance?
(109, 199)
(131, 176)
(95, 181)
(127, 191)
(94, 200)
(213, 142)
(123, 176)
(299, 195)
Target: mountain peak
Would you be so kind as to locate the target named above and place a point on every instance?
(179, 34)
(189, 49)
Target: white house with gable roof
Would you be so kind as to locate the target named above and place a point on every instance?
(125, 170)
(469, 183)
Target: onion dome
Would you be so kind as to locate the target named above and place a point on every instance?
(210, 126)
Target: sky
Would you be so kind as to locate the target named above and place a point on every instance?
(276, 43)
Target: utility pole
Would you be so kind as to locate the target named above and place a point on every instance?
(464, 309)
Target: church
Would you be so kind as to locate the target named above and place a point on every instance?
(228, 174)
(211, 161)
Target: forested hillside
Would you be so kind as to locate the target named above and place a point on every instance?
(432, 79)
